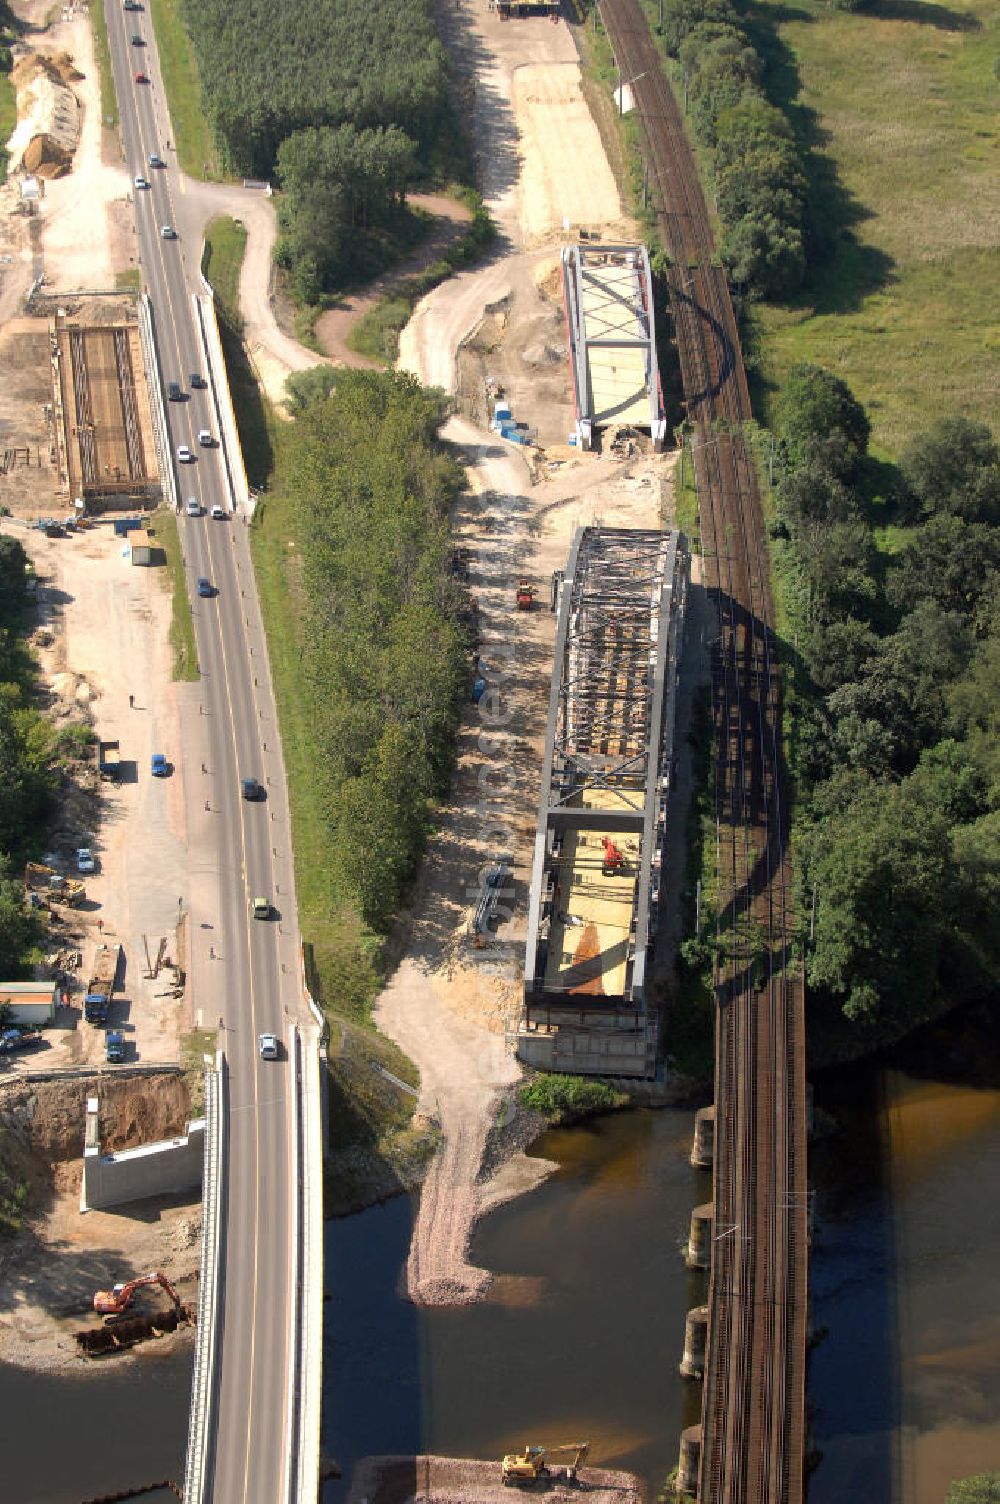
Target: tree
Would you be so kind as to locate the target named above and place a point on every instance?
(20, 931)
(888, 897)
(984, 1488)
(765, 255)
(954, 467)
(947, 560)
(816, 407)
(306, 387)
(13, 575)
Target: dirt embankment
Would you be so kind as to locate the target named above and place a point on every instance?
(51, 1267)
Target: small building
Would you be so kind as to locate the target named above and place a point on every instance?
(145, 549)
(30, 1002)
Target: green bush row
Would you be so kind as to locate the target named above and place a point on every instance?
(568, 1099)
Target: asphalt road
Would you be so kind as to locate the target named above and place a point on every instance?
(250, 976)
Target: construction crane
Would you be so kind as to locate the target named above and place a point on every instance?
(114, 1302)
(532, 1464)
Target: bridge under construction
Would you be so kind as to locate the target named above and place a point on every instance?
(604, 813)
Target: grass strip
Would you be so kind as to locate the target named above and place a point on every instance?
(109, 99)
(197, 152)
(181, 622)
(129, 280)
(256, 422)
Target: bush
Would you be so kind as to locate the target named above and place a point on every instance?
(568, 1099)
(820, 418)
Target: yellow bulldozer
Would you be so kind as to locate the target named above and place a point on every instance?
(52, 885)
(532, 1465)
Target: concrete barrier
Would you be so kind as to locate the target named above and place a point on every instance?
(203, 1381)
(154, 386)
(159, 1169)
(311, 1306)
(229, 439)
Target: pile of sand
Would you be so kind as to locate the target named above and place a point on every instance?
(48, 115)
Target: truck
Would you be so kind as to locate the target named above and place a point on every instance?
(19, 1039)
(114, 1046)
(108, 760)
(101, 987)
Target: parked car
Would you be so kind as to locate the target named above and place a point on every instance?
(85, 860)
(114, 1046)
(168, 232)
(184, 454)
(193, 506)
(17, 1039)
(140, 181)
(250, 788)
(269, 1047)
(159, 767)
(205, 588)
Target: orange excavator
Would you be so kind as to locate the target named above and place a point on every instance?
(114, 1302)
(613, 864)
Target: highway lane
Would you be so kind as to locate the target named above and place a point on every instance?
(243, 981)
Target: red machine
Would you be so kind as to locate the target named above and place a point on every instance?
(114, 1302)
(525, 596)
(614, 861)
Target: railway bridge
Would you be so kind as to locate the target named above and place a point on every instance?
(749, 1447)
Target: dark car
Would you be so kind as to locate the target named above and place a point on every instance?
(174, 392)
(205, 588)
(251, 788)
(198, 381)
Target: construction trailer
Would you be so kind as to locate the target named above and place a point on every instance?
(611, 330)
(604, 815)
(30, 1002)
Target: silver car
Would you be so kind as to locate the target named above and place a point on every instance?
(269, 1047)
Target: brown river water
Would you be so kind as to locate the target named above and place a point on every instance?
(583, 1334)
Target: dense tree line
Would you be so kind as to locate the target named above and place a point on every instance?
(26, 778)
(895, 745)
(385, 656)
(343, 101)
(760, 185)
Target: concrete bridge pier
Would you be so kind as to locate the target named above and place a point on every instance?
(703, 1148)
(698, 1254)
(689, 1461)
(695, 1343)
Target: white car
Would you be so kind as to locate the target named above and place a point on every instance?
(141, 182)
(269, 1047)
(184, 454)
(205, 437)
(168, 232)
(85, 860)
(193, 506)
(219, 513)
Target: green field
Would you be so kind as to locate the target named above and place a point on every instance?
(904, 105)
(193, 138)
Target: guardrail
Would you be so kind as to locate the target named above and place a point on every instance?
(154, 386)
(232, 453)
(311, 1258)
(203, 1382)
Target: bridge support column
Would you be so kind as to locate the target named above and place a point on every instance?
(689, 1461)
(703, 1148)
(700, 1237)
(695, 1343)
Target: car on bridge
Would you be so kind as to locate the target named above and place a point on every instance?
(269, 1047)
(219, 513)
(193, 506)
(184, 455)
(198, 381)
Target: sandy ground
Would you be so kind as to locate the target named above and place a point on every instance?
(463, 1480)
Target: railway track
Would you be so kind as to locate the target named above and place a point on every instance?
(753, 1425)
